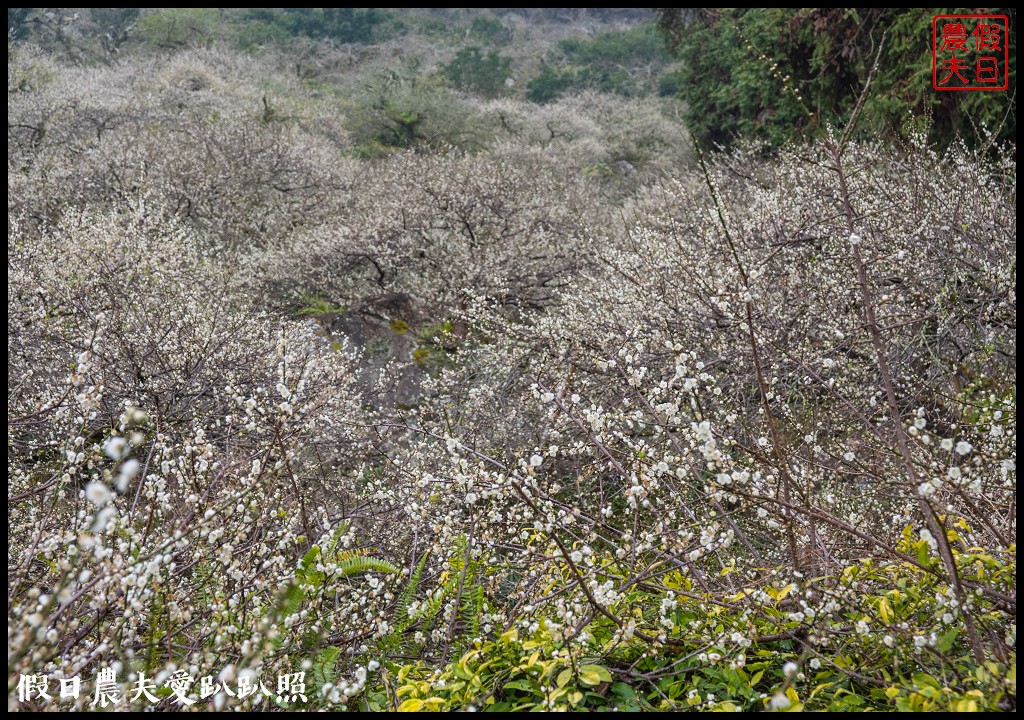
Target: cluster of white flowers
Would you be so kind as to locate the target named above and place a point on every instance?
(690, 404)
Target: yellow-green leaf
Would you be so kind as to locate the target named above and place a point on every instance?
(411, 705)
(594, 675)
(434, 703)
(886, 610)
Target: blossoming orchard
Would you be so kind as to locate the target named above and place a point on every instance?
(341, 378)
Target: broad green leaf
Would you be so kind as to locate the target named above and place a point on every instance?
(624, 691)
(886, 610)
(946, 640)
(411, 705)
(524, 685)
(594, 675)
(922, 553)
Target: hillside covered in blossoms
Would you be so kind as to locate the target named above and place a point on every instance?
(507, 360)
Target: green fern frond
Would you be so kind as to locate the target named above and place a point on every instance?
(336, 537)
(402, 620)
(307, 576)
(353, 565)
(323, 666)
(472, 612)
(154, 633)
(409, 593)
(291, 600)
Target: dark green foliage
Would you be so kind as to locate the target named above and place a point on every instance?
(261, 29)
(113, 20)
(635, 46)
(339, 24)
(82, 35)
(433, 27)
(625, 62)
(490, 30)
(18, 23)
(174, 28)
(780, 73)
(344, 25)
(550, 83)
(474, 71)
(53, 29)
(671, 83)
(115, 26)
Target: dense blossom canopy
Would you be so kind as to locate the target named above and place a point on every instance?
(555, 412)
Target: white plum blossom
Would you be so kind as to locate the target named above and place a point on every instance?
(97, 493)
(115, 447)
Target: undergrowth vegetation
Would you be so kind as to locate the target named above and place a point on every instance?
(430, 401)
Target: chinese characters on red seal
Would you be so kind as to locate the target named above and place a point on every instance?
(970, 52)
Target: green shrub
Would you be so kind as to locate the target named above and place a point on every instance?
(403, 110)
(780, 73)
(625, 62)
(490, 30)
(180, 27)
(483, 74)
(890, 645)
(550, 83)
